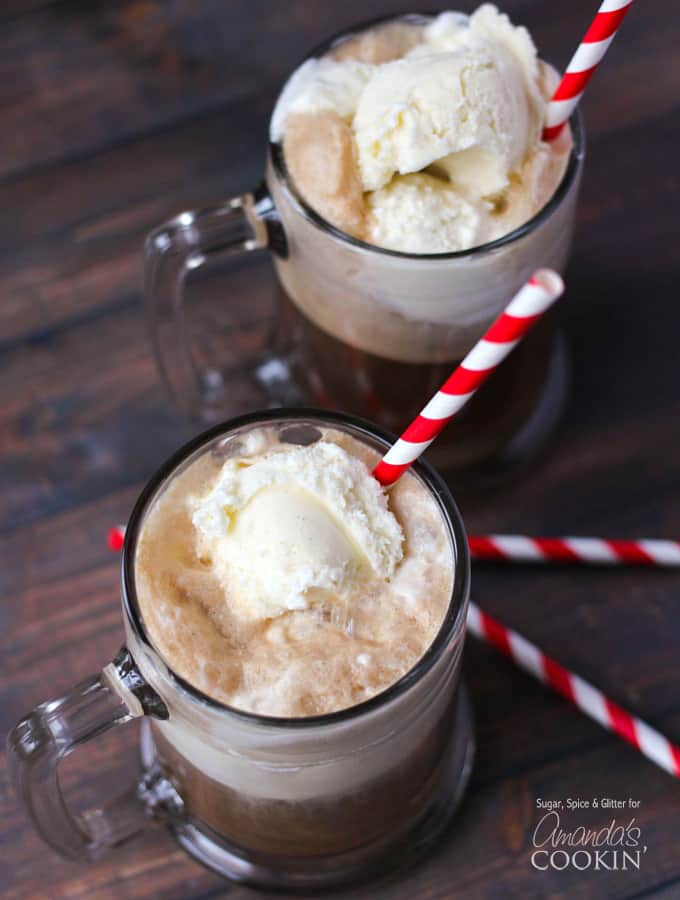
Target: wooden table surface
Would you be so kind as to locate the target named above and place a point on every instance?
(114, 116)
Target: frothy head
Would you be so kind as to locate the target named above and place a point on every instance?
(280, 578)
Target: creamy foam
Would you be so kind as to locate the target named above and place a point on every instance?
(335, 652)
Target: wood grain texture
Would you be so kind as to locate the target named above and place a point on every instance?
(115, 116)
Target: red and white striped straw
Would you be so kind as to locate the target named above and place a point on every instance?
(523, 311)
(594, 551)
(589, 699)
(583, 63)
(521, 548)
(581, 693)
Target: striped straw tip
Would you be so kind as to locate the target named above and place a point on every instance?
(115, 538)
(549, 280)
(583, 64)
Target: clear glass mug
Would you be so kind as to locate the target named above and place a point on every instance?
(275, 802)
(370, 331)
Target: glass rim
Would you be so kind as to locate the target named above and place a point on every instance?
(452, 625)
(545, 212)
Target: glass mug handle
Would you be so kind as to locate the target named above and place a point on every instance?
(187, 242)
(38, 743)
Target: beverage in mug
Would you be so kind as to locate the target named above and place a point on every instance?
(293, 636)
(408, 196)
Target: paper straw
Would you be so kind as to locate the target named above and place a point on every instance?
(116, 537)
(523, 311)
(583, 63)
(590, 550)
(589, 699)
(581, 693)
(521, 548)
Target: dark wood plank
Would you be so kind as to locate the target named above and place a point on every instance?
(97, 418)
(117, 115)
(75, 245)
(12, 9)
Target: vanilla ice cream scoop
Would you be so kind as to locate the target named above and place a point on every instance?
(421, 214)
(284, 528)
(321, 85)
(417, 111)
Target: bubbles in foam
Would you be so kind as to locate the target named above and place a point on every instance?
(302, 435)
(239, 445)
(227, 448)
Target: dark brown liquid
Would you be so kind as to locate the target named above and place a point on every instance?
(335, 375)
(382, 809)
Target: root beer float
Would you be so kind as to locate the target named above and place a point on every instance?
(277, 577)
(419, 141)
